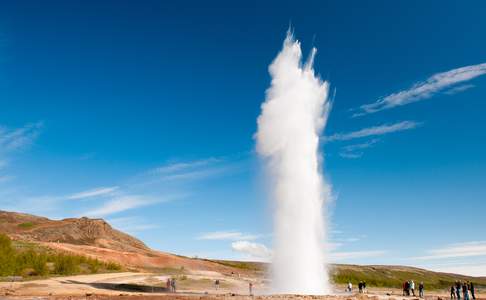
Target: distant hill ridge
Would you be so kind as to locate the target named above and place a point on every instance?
(77, 231)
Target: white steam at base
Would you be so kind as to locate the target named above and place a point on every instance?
(293, 116)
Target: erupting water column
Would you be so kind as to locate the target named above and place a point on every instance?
(293, 116)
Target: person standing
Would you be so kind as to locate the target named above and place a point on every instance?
(412, 287)
(364, 286)
(453, 292)
(465, 291)
(350, 287)
(216, 284)
(168, 285)
(471, 288)
(173, 285)
(360, 287)
(458, 289)
(250, 288)
(421, 289)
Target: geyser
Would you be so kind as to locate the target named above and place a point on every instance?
(292, 118)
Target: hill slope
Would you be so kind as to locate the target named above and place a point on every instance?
(97, 239)
(82, 231)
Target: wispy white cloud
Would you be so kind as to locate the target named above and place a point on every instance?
(227, 235)
(458, 89)
(374, 131)
(17, 138)
(192, 170)
(469, 269)
(177, 167)
(469, 249)
(337, 256)
(356, 150)
(123, 203)
(101, 191)
(425, 89)
(252, 250)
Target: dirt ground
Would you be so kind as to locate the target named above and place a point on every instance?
(196, 285)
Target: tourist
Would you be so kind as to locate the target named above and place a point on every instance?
(421, 289)
(412, 287)
(350, 287)
(216, 284)
(471, 288)
(250, 288)
(168, 286)
(453, 292)
(173, 285)
(465, 291)
(364, 286)
(405, 288)
(360, 287)
(458, 289)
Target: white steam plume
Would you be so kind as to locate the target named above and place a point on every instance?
(293, 116)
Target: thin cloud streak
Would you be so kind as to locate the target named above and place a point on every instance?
(355, 150)
(123, 203)
(356, 254)
(101, 191)
(190, 165)
(425, 89)
(374, 131)
(227, 235)
(469, 249)
(15, 139)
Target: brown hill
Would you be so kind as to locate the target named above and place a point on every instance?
(82, 231)
(96, 238)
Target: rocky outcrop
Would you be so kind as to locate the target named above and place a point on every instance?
(77, 231)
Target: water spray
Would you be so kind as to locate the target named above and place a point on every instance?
(292, 119)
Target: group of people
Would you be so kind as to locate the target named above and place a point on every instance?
(171, 285)
(409, 288)
(463, 288)
(361, 287)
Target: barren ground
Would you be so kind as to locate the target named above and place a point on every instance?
(195, 285)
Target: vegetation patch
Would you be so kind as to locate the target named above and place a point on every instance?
(26, 225)
(243, 265)
(29, 261)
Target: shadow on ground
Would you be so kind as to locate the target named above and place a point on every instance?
(124, 287)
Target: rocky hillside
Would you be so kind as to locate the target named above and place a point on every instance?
(95, 238)
(82, 231)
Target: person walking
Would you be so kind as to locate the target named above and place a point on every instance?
(350, 287)
(216, 284)
(421, 289)
(458, 289)
(471, 288)
(465, 291)
(360, 287)
(250, 288)
(412, 287)
(364, 286)
(453, 292)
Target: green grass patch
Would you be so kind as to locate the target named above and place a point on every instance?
(26, 225)
(32, 261)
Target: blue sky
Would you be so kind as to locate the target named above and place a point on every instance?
(144, 114)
